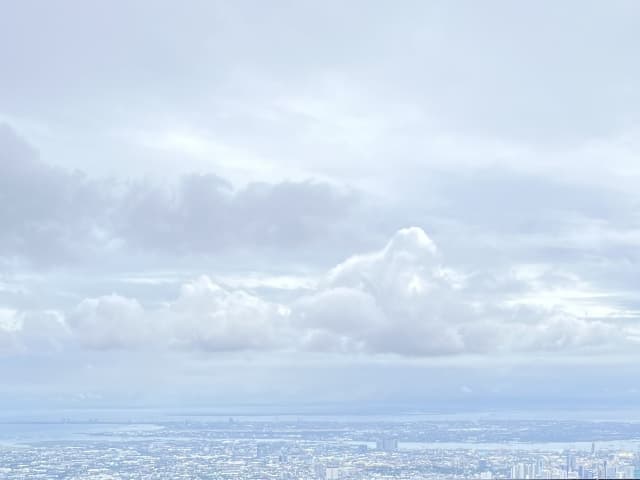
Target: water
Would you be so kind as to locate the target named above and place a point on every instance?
(122, 424)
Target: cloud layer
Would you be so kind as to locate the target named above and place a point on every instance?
(400, 300)
(225, 182)
(53, 216)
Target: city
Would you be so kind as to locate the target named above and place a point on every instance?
(325, 448)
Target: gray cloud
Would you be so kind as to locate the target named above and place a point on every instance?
(47, 213)
(54, 216)
(473, 69)
(205, 214)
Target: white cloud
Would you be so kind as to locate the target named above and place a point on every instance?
(205, 316)
(209, 317)
(110, 321)
(398, 300)
(401, 300)
(32, 331)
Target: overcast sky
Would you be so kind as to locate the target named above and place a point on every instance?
(319, 201)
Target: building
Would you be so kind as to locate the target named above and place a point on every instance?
(387, 444)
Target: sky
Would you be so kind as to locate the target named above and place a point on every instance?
(365, 203)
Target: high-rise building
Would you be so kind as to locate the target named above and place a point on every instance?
(628, 471)
(262, 450)
(387, 444)
(319, 471)
(571, 463)
(518, 471)
(332, 472)
(586, 473)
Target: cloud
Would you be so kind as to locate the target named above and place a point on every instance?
(9, 325)
(205, 214)
(32, 331)
(401, 300)
(53, 216)
(210, 317)
(110, 321)
(508, 135)
(473, 69)
(47, 214)
(204, 317)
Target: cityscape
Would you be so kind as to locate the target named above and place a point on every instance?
(322, 448)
